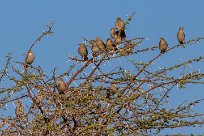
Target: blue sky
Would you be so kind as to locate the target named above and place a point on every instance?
(23, 21)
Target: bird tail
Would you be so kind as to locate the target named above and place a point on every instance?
(25, 66)
(182, 42)
(163, 51)
(122, 34)
(85, 58)
(115, 49)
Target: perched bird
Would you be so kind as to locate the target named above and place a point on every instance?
(19, 109)
(82, 50)
(119, 24)
(29, 58)
(122, 34)
(115, 33)
(95, 48)
(112, 90)
(110, 45)
(100, 44)
(163, 45)
(113, 87)
(128, 47)
(61, 86)
(112, 32)
(181, 36)
(117, 40)
(38, 98)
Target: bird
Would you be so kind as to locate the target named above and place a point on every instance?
(110, 45)
(128, 47)
(61, 86)
(122, 34)
(82, 50)
(38, 98)
(19, 109)
(181, 36)
(29, 58)
(95, 48)
(100, 44)
(117, 40)
(119, 24)
(112, 90)
(163, 45)
(113, 87)
(112, 32)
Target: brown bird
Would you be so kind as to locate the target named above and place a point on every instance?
(82, 50)
(122, 34)
(113, 87)
(110, 45)
(100, 44)
(117, 40)
(119, 24)
(29, 58)
(38, 98)
(112, 32)
(163, 45)
(61, 86)
(128, 46)
(95, 48)
(112, 90)
(181, 36)
(19, 109)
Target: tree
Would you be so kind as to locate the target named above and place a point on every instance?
(119, 100)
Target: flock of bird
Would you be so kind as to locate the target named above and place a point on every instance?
(118, 35)
(98, 46)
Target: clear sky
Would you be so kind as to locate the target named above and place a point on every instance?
(21, 22)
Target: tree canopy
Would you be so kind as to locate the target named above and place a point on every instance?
(104, 91)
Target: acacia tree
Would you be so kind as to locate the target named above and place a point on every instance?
(97, 101)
